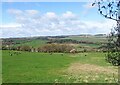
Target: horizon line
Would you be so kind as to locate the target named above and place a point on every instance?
(54, 35)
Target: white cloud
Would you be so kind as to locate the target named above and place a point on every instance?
(50, 15)
(69, 15)
(100, 27)
(15, 11)
(10, 25)
(32, 12)
(51, 24)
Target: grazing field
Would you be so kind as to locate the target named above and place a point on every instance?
(31, 67)
(33, 43)
(0, 67)
(95, 39)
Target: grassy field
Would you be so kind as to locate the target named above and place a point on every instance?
(95, 39)
(38, 42)
(33, 43)
(0, 67)
(63, 68)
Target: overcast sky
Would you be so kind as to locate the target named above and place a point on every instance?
(22, 19)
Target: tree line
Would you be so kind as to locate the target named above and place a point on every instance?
(63, 48)
(72, 41)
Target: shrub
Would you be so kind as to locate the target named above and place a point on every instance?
(55, 48)
(24, 48)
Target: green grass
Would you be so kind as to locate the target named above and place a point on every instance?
(33, 67)
(0, 67)
(42, 67)
(92, 58)
(33, 43)
(89, 39)
(90, 45)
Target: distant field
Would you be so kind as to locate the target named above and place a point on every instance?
(90, 45)
(29, 67)
(96, 39)
(0, 67)
(33, 43)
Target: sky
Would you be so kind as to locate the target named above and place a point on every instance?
(28, 19)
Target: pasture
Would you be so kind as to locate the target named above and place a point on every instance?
(31, 67)
(95, 39)
(32, 43)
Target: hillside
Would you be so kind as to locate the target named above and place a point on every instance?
(80, 42)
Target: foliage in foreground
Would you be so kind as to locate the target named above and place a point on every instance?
(113, 46)
(111, 10)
